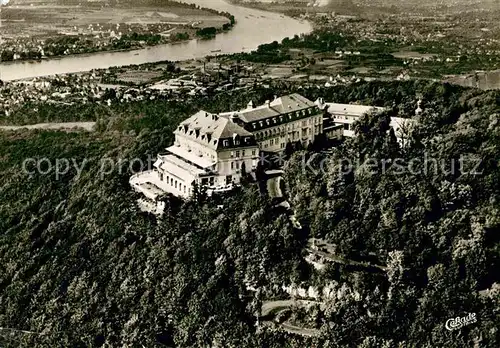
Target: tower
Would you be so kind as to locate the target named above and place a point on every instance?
(419, 110)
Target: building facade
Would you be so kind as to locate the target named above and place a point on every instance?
(346, 115)
(290, 118)
(216, 150)
(209, 150)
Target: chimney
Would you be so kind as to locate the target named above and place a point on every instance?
(320, 103)
(268, 103)
(234, 118)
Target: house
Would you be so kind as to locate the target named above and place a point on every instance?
(346, 114)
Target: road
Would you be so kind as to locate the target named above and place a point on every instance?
(271, 307)
(69, 126)
(275, 307)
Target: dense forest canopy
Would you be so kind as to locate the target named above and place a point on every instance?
(80, 266)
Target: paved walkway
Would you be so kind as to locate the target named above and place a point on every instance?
(87, 126)
(299, 330)
(270, 307)
(275, 307)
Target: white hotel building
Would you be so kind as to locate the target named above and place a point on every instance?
(212, 150)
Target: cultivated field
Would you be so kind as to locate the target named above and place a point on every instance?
(22, 18)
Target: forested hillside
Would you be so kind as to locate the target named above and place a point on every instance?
(80, 266)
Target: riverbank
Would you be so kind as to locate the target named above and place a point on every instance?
(92, 30)
(131, 44)
(254, 27)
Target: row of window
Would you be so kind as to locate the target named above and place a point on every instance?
(281, 118)
(278, 130)
(305, 132)
(344, 117)
(174, 183)
(243, 153)
(237, 142)
(208, 181)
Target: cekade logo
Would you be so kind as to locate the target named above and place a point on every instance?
(457, 323)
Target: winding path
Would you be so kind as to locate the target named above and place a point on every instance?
(272, 308)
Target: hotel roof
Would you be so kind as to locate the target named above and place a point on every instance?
(351, 109)
(279, 106)
(207, 129)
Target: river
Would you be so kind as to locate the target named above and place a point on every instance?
(253, 27)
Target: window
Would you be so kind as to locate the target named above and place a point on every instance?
(232, 154)
(229, 179)
(237, 154)
(243, 153)
(346, 126)
(232, 165)
(225, 143)
(253, 152)
(272, 142)
(237, 165)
